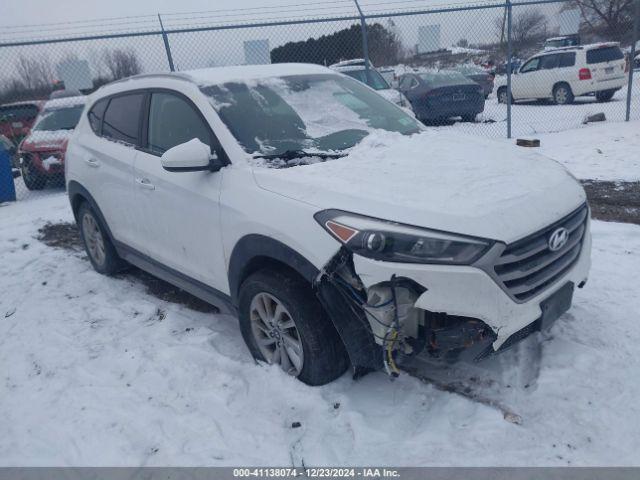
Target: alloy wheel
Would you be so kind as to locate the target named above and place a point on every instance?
(93, 239)
(275, 333)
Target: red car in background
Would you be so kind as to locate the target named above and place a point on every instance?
(41, 153)
(16, 119)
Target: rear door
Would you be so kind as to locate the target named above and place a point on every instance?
(178, 212)
(106, 158)
(606, 63)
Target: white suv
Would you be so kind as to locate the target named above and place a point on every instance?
(338, 229)
(565, 73)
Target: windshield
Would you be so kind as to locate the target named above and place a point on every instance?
(375, 80)
(324, 113)
(60, 118)
(444, 79)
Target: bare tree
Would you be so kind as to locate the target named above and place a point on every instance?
(121, 63)
(528, 27)
(34, 73)
(608, 19)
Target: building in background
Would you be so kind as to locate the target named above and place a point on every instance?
(428, 38)
(256, 52)
(75, 74)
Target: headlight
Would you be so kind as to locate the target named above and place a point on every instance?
(394, 242)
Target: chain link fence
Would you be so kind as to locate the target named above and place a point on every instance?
(494, 69)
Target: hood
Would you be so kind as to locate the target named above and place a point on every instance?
(47, 140)
(440, 180)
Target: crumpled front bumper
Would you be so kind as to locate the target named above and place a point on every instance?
(469, 291)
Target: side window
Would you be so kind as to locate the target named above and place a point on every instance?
(531, 65)
(549, 62)
(122, 118)
(95, 115)
(172, 121)
(567, 59)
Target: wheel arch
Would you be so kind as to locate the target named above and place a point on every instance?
(77, 195)
(256, 252)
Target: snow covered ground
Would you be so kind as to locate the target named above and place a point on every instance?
(96, 371)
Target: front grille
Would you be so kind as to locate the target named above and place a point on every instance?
(527, 267)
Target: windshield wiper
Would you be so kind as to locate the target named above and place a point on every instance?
(293, 154)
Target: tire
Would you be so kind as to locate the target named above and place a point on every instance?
(101, 252)
(562, 94)
(502, 95)
(605, 95)
(469, 118)
(33, 180)
(323, 357)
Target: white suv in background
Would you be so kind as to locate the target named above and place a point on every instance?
(565, 73)
(338, 229)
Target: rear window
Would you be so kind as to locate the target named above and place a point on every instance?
(604, 54)
(375, 80)
(95, 115)
(122, 118)
(16, 113)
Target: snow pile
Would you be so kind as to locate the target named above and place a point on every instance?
(95, 371)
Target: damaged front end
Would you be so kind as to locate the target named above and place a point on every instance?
(381, 327)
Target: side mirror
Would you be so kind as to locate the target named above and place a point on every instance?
(191, 156)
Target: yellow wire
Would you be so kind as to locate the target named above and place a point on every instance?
(394, 335)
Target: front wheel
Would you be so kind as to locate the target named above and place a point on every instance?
(562, 94)
(283, 323)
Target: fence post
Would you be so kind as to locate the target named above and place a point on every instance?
(365, 42)
(634, 39)
(166, 45)
(509, 62)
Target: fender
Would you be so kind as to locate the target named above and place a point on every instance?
(254, 251)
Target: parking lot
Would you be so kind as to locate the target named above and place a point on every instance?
(128, 370)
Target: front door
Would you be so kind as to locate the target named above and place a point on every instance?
(179, 211)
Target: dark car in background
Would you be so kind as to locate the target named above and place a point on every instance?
(480, 76)
(41, 153)
(440, 95)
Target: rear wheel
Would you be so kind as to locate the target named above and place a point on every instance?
(562, 94)
(283, 323)
(33, 179)
(101, 252)
(605, 95)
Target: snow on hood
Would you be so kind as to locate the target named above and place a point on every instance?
(47, 138)
(440, 180)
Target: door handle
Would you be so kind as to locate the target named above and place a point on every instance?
(92, 162)
(145, 183)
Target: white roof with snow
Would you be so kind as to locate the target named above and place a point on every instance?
(65, 102)
(215, 75)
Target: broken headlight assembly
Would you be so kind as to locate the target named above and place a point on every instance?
(394, 242)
